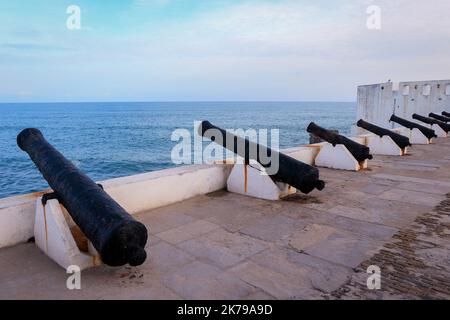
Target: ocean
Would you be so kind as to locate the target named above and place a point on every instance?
(109, 140)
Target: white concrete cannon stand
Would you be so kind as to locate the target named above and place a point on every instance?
(383, 146)
(338, 157)
(252, 180)
(54, 237)
(415, 135)
(439, 131)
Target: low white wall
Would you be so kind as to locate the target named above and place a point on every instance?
(135, 193)
(160, 188)
(17, 219)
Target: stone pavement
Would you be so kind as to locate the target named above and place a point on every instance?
(225, 246)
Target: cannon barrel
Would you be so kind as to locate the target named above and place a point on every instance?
(118, 238)
(427, 132)
(359, 151)
(400, 140)
(443, 125)
(439, 117)
(446, 114)
(291, 171)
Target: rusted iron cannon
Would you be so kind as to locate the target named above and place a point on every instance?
(400, 140)
(360, 152)
(446, 114)
(118, 238)
(427, 132)
(295, 173)
(439, 117)
(444, 126)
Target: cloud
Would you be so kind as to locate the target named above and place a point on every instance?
(252, 50)
(293, 28)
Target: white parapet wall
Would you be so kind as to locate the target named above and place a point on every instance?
(135, 193)
(377, 102)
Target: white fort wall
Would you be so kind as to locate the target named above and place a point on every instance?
(377, 102)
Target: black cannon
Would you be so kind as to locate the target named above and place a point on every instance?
(359, 151)
(444, 126)
(427, 132)
(118, 238)
(400, 140)
(439, 117)
(446, 114)
(291, 171)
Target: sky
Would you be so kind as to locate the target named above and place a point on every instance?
(216, 50)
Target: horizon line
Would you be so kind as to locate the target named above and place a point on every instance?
(173, 101)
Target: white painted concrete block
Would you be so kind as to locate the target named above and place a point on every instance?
(439, 131)
(417, 137)
(160, 188)
(54, 238)
(251, 180)
(305, 154)
(338, 157)
(383, 146)
(16, 220)
(359, 139)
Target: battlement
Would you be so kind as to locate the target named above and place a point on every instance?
(377, 102)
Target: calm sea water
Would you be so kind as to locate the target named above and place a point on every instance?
(108, 140)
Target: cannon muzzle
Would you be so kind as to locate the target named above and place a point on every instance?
(431, 121)
(427, 132)
(359, 151)
(439, 117)
(400, 140)
(291, 171)
(115, 234)
(446, 114)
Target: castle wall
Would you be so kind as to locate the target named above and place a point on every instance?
(377, 102)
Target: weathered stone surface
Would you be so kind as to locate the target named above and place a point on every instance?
(357, 226)
(274, 283)
(198, 280)
(375, 188)
(323, 276)
(409, 196)
(223, 248)
(344, 248)
(164, 258)
(310, 235)
(159, 221)
(424, 188)
(236, 219)
(406, 178)
(272, 229)
(187, 231)
(385, 212)
(414, 265)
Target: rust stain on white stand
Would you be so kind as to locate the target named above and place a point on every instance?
(54, 237)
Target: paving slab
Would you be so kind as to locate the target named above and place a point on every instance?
(223, 248)
(201, 281)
